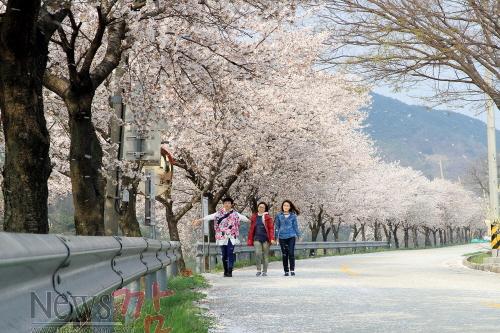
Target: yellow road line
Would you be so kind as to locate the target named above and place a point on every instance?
(347, 270)
(492, 305)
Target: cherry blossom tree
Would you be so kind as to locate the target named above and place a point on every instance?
(25, 31)
(89, 47)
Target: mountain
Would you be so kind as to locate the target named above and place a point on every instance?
(420, 137)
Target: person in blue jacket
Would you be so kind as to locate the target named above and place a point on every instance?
(286, 232)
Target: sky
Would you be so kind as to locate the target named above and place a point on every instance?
(412, 97)
(421, 89)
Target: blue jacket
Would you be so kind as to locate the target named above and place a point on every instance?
(286, 227)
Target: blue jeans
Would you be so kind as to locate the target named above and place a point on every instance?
(228, 254)
(288, 253)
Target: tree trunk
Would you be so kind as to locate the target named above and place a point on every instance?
(434, 231)
(314, 231)
(387, 232)
(355, 232)
(87, 182)
(450, 229)
(415, 236)
(406, 236)
(480, 233)
(23, 58)
(427, 234)
(463, 235)
(441, 238)
(173, 230)
(325, 232)
(363, 232)
(254, 202)
(335, 234)
(395, 235)
(335, 227)
(376, 231)
(314, 227)
(128, 221)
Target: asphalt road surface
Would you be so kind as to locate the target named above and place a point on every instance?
(398, 291)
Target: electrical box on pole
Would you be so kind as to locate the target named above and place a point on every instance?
(141, 145)
(149, 194)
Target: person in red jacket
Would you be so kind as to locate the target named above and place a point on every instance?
(261, 236)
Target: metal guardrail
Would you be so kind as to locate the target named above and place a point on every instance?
(45, 279)
(213, 250)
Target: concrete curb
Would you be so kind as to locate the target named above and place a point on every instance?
(481, 267)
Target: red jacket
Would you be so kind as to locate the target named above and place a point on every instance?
(268, 224)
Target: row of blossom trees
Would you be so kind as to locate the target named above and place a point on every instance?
(248, 113)
(400, 201)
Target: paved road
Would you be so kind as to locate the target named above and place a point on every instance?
(400, 291)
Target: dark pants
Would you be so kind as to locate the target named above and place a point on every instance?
(288, 253)
(228, 254)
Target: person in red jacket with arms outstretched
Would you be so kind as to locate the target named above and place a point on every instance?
(261, 236)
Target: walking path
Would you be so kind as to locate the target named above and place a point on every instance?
(398, 291)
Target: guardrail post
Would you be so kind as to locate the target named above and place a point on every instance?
(172, 269)
(212, 261)
(163, 279)
(199, 265)
(148, 285)
(175, 269)
(102, 314)
(133, 287)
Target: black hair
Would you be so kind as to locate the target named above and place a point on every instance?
(293, 209)
(228, 199)
(265, 205)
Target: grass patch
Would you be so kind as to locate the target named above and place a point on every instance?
(472, 254)
(478, 257)
(178, 312)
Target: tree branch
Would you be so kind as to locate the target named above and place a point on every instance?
(116, 32)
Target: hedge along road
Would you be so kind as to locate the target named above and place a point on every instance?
(398, 291)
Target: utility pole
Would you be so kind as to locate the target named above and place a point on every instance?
(149, 209)
(111, 207)
(441, 168)
(205, 233)
(143, 144)
(492, 158)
